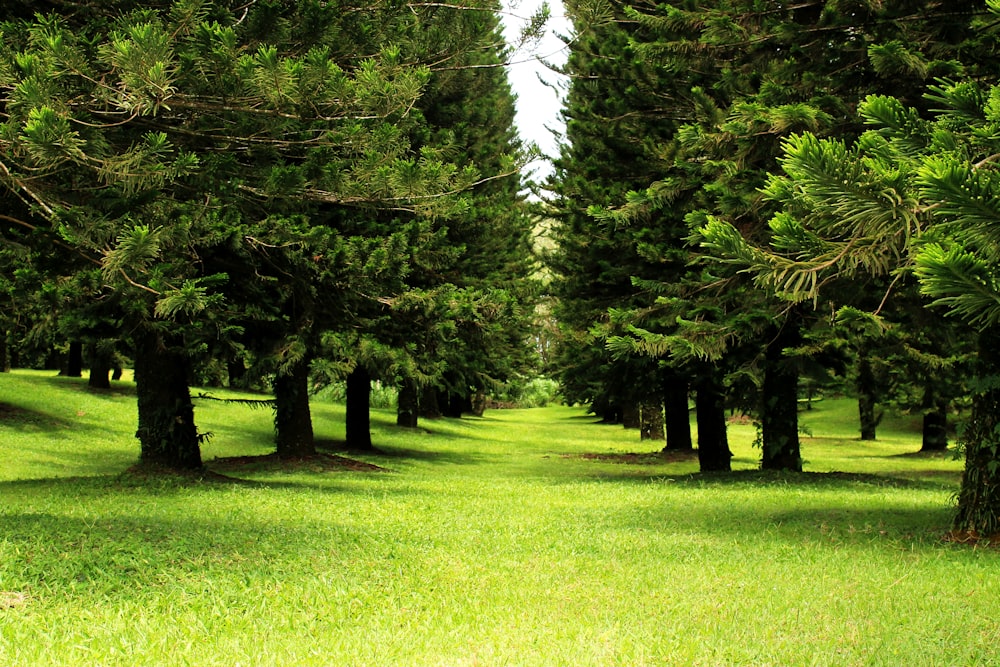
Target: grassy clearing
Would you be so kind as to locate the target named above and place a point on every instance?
(484, 542)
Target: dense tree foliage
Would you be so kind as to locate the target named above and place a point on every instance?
(246, 177)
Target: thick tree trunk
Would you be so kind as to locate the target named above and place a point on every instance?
(979, 497)
(167, 433)
(713, 443)
(779, 410)
(407, 405)
(453, 405)
(866, 390)
(293, 430)
(651, 421)
(631, 417)
(429, 406)
(358, 418)
(676, 418)
(100, 367)
(74, 360)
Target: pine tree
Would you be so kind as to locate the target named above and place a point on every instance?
(178, 143)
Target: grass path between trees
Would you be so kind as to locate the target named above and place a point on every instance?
(526, 537)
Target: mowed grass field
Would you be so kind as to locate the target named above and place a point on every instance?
(527, 537)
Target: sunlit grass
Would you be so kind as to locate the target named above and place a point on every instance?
(483, 542)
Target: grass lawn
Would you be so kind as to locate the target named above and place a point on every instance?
(526, 537)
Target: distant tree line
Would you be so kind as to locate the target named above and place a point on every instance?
(753, 199)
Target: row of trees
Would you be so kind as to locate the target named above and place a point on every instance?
(292, 191)
(755, 195)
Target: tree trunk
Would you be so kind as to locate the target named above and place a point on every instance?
(677, 420)
(74, 360)
(478, 403)
(651, 421)
(358, 418)
(4, 352)
(237, 372)
(293, 430)
(167, 433)
(979, 497)
(779, 411)
(453, 405)
(100, 367)
(713, 443)
(866, 390)
(429, 406)
(631, 415)
(407, 405)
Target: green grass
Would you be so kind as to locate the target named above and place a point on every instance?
(486, 541)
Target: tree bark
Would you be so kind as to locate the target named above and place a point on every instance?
(74, 360)
(779, 411)
(979, 497)
(407, 405)
(100, 367)
(866, 390)
(631, 415)
(676, 418)
(4, 352)
(429, 406)
(651, 421)
(167, 433)
(358, 418)
(293, 430)
(478, 403)
(713, 442)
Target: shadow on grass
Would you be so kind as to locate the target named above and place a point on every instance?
(14, 416)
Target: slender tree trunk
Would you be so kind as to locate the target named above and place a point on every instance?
(407, 405)
(713, 442)
(358, 418)
(979, 496)
(676, 418)
(779, 412)
(866, 390)
(631, 415)
(100, 367)
(237, 372)
(74, 360)
(293, 430)
(167, 433)
(651, 421)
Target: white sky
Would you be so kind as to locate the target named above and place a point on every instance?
(538, 104)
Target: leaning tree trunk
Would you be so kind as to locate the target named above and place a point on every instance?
(167, 433)
(651, 421)
(979, 497)
(407, 405)
(358, 418)
(866, 390)
(676, 418)
(779, 410)
(713, 443)
(293, 431)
